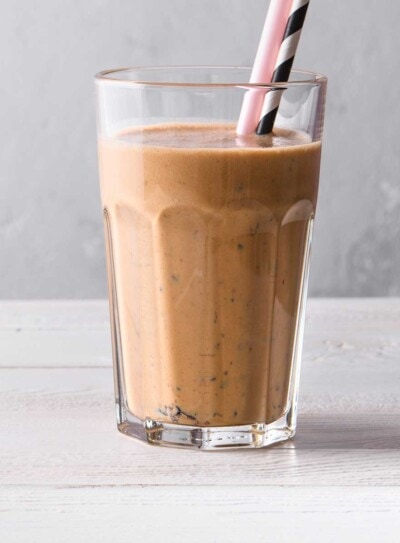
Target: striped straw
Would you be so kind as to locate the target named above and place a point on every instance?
(264, 65)
(283, 64)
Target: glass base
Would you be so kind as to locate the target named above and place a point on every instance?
(254, 436)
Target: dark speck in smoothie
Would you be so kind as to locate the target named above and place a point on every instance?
(212, 379)
(240, 246)
(175, 278)
(254, 231)
(175, 413)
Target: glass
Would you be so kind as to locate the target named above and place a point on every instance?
(208, 241)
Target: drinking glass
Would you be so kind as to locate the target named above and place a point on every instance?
(208, 239)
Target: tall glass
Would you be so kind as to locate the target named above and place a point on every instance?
(208, 241)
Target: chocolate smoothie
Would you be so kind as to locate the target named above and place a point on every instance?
(207, 236)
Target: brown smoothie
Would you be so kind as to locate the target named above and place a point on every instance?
(206, 242)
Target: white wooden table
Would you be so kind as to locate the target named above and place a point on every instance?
(67, 475)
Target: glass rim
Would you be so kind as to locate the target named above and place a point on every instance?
(106, 76)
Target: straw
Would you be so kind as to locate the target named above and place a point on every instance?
(264, 64)
(284, 64)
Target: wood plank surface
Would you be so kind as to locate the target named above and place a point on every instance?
(63, 463)
(201, 514)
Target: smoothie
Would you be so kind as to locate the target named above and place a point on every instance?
(206, 240)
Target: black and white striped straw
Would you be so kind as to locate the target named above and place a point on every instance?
(283, 64)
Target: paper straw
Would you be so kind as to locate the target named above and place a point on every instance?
(284, 64)
(264, 65)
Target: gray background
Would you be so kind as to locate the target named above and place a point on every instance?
(51, 241)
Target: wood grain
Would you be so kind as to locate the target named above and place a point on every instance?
(200, 514)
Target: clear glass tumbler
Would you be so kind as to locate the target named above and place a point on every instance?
(208, 241)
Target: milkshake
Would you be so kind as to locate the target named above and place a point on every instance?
(207, 239)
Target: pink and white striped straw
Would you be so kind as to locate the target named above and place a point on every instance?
(264, 65)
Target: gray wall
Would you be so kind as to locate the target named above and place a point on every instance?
(50, 222)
